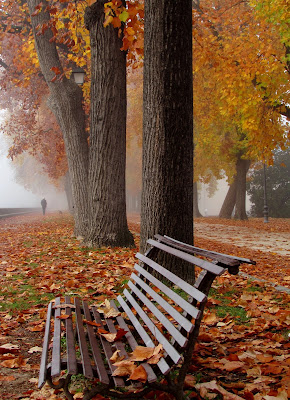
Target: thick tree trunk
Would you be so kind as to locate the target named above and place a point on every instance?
(107, 196)
(242, 169)
(66, 103)
(196, 212)
(167, 192)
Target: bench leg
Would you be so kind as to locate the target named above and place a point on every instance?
(99, 389)
(63, 384)
(67, 393)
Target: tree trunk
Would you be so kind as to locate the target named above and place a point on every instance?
(196, 212)
(236, 196)
(242, 169)
(167, 191)
(68, 192)
(107, 195)
(229, 202)
(66, 103)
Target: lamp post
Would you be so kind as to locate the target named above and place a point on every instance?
(78, 75)
(266, 209)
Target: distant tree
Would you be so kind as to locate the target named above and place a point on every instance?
(278, 187)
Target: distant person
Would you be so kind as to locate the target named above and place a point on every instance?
(43, 205)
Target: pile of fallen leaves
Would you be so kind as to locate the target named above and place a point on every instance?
(243, 355)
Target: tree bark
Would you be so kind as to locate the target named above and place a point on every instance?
(242, 169)
(107, 195)
(68, 192)
(236, 196)
(66, 103)
(229, 201)
(167, 191)
(196, 212)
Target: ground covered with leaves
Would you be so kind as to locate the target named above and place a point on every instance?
(243, 348)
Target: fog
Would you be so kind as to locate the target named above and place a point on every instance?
(14, 195)
(211, 206)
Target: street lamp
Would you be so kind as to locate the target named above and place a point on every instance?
(78, 75)
(266, 210)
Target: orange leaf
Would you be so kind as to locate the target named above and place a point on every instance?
(124, 368)
(92, 323)
(142, 353)
(5, 378)
(139, 374)
(56, 70)
(64, 316)
(14, 362)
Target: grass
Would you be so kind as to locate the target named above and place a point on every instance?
(21, 298)
(224, 308)
(235, 312)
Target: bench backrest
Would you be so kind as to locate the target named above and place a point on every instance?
(164, 308)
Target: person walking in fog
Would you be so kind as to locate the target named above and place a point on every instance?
(43, 205)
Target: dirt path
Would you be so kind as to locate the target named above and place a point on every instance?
(255, 239)
(267, 244)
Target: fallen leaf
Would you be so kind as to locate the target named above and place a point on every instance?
(92, 323)
(9, 348)
(142, 353)
(7, 378)
(281, 396)
(214, 387)
(64, 306)
(116, 357)
(35, 349)
(124, 368)
(139, 374)
(64, 316)
(14, 362)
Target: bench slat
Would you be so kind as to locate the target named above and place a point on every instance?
(215, 269)
(162, 364)
(103, 376)
(70, 341)
(224, 258)
(86, 362)
(194, 312)
(107, 349)
(171, 351)
(151, 377)
(45, 347)
(181, 340)
(55, 360)
(199, 296)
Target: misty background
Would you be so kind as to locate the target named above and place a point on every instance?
(12, 194)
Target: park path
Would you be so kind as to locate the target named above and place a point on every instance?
(273, 242)
(270, 238)
(267, 244)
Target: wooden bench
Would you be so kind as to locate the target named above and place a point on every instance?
(157, 308)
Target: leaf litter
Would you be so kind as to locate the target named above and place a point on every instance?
(237, 356)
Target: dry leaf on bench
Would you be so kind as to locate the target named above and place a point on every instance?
(139, 374)
(124, 368)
